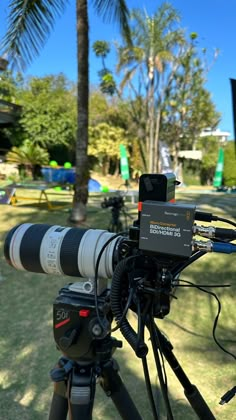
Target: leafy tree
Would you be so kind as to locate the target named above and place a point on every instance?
(49, 112)
(8, 86)
(104, 143)
(118, 113)
(98, 107)
(229, 165)
(187, 108)
(107, 81)
(209, 146)
(30, 23)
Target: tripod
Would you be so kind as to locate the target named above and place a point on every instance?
(116, 224)
(76, 391)
(75, 377)
(117, 208)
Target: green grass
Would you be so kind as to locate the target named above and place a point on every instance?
(190, 178)
(28, 351)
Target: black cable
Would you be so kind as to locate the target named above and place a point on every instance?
(163, 363)
(202, 216)
(202, 285)
(130, 297)
(96, 274)
(149, 388)
(216, 318)
(221, 219)
(195, 256)
(155, 345)
(141, 326)
(209, 217)
(139, 347)
(184, 264)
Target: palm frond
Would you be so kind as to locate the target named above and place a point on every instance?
(29, 25)
(115, 11)
(128, 56)
(128, 76)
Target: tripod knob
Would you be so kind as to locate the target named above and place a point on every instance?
(65, 342)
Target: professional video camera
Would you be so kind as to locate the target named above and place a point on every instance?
(143, 265)
(118, 209)
(117, 201)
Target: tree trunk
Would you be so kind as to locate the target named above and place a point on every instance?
(105, 166)
(156, 142)
(151, 129)
(79, 212)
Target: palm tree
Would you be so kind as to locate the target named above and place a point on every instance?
(30, 156)
(154, 50)
(29, 25)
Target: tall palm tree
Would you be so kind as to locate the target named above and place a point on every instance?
(155, 43)
(29, 25)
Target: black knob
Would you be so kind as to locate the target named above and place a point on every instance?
(65, 342)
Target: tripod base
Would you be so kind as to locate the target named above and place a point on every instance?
(76, 393)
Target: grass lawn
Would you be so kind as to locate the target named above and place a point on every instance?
(28, 351)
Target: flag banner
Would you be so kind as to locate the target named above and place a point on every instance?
(165, 161)
(124, 163)
(218, 178)
(233, 89)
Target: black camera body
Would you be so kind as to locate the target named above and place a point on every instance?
(117, 202)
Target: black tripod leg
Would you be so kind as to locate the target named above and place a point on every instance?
(59, 404)
(77, 397)
(194, 397)
(82, 392)
(114, 388)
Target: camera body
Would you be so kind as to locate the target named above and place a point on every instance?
(116, 202)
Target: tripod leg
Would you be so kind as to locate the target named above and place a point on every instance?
(75, 396)
(114, 388)
(82, 391)
(194, 397)
(59, 404)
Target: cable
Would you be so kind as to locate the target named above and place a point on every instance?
(198, 254)
(155, 345)
(223, 247)
(221, 219)
(149, 388)
(139, 347)
(228, 396)
(216, 318)
(209, 217)
(118, 325)
(182, 265)
(202, 285)
(141, 325)
(96, 275)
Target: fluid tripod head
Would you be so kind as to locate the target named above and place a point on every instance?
(116, 202)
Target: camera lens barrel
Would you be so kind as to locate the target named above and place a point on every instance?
(54, 249)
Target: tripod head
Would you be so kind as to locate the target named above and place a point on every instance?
(116, 202)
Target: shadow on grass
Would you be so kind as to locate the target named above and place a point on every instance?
(15, 410)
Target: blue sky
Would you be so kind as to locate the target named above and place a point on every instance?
(213, 20)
